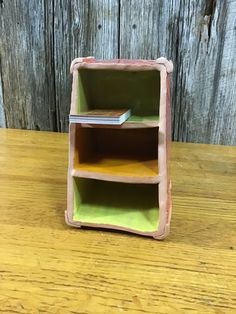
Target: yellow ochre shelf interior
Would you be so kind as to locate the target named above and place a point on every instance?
(118, 152)
(126, 167)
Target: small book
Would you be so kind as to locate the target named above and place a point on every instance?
(115, 117)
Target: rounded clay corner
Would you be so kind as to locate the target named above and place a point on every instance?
(162, 236)
(76, 61)
(167, 63)
(69, 222)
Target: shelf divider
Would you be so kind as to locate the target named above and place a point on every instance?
(115, 178)
(134, 122)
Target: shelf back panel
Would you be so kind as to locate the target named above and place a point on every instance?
(140, 144)
(110, 89)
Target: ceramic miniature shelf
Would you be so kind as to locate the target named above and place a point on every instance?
(134, 122)
(133, 206)
(113, 179)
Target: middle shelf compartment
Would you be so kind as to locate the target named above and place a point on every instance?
(121, 155)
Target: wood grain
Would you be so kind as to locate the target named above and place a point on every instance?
(26, 46)
(81, 28)
(199, 36)
(48, 267)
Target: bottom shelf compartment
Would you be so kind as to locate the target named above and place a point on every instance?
(124, 205)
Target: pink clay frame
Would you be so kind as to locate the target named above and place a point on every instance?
(165, 205)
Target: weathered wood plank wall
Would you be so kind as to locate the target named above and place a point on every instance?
(40, 38)
(27, 64)
(81, 28)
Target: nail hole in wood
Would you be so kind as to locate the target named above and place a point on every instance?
(99, 26)
(134, 26)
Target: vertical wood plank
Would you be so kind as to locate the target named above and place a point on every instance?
(140, 25)
(199, 36)
(2, 114)
(26, 43)
(82, 28)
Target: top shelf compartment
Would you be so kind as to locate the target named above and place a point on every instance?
(116, 89)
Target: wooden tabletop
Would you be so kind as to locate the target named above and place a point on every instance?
(48, 267)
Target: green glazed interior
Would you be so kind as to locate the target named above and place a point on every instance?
(115, 89)
(133, 206)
